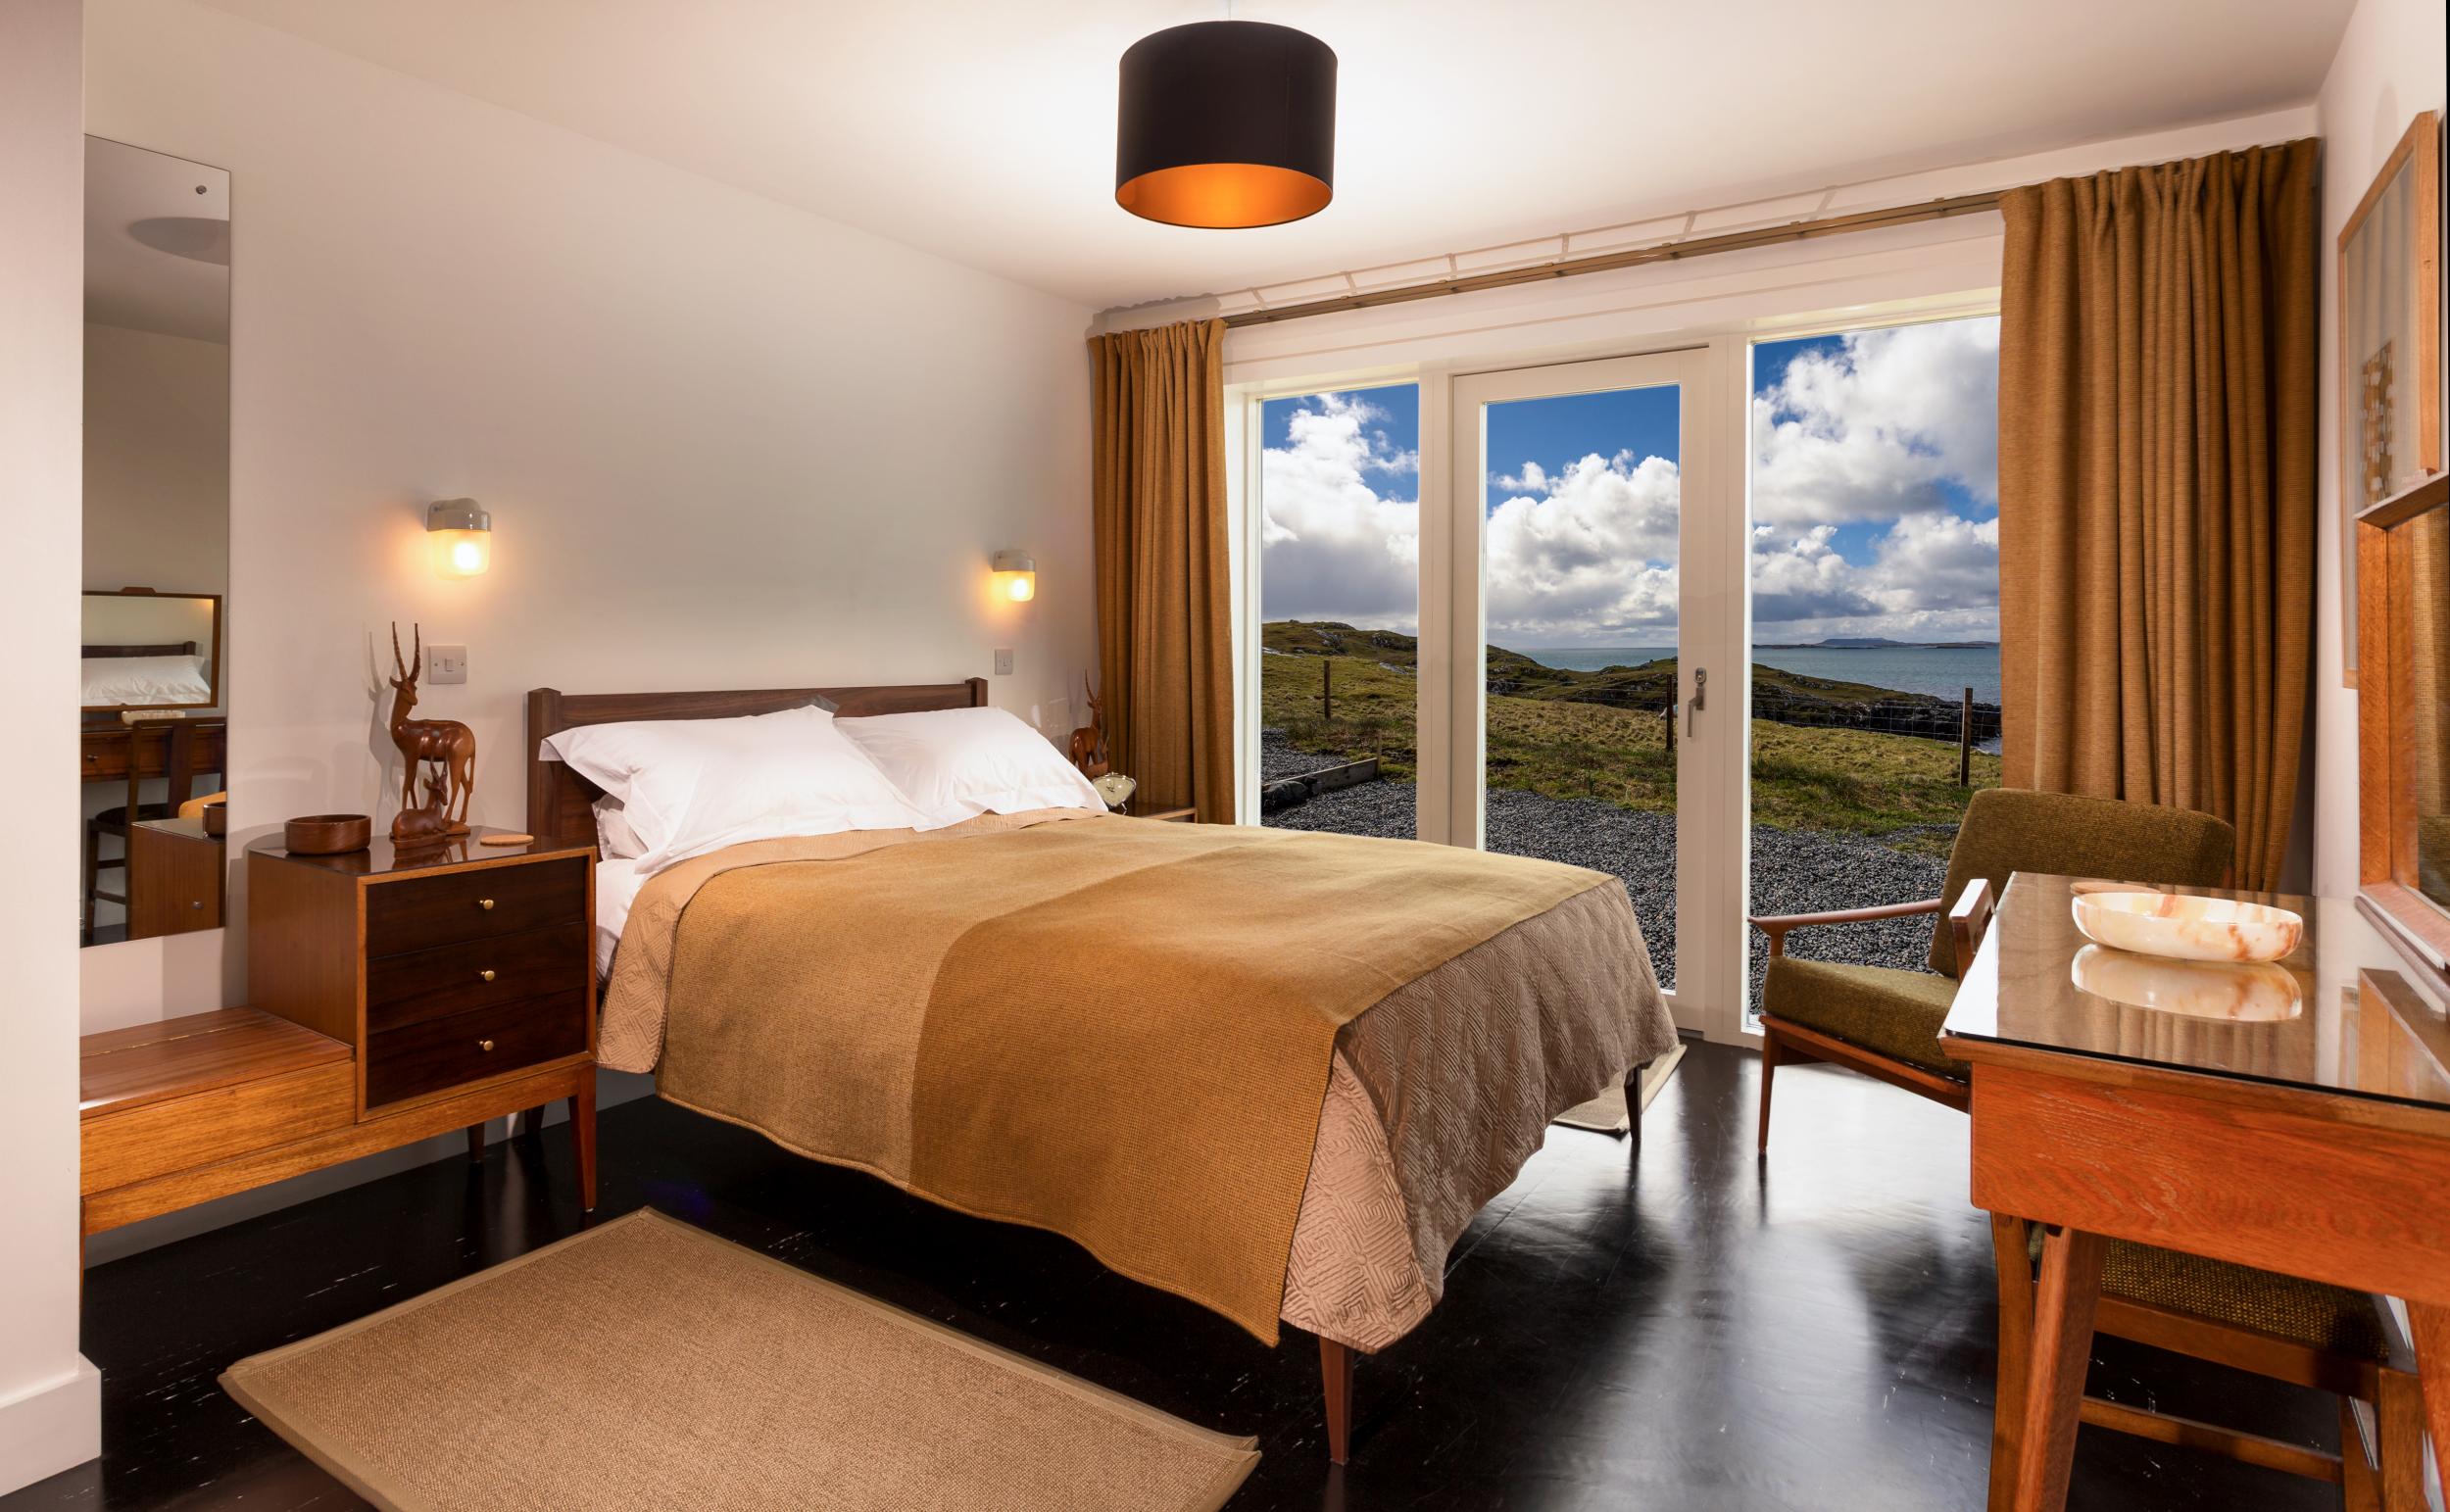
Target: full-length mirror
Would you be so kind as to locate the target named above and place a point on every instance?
(154, 673)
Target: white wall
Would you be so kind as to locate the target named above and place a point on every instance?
(157, 460)
(726, 443)
(2389, 65)
(50, 1399)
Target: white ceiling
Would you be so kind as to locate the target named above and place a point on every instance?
(156, 242)
(983, 129)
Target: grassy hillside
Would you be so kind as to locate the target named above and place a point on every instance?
(1548, 735)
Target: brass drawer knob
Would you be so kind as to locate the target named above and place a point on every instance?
(484, 1044)
(485, 903)
(487, 975)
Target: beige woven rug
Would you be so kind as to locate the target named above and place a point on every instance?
(648, 1364)
(1606, 1113)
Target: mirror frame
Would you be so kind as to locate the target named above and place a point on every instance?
(2386, 728)
(86, 651)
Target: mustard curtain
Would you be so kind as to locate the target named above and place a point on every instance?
(2157, 404)
(1164, 616)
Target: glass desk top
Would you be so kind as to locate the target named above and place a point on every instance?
(2302, 1021)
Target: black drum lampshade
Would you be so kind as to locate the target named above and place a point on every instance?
(1226, 123)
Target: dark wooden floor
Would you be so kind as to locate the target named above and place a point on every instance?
(1696, 1333)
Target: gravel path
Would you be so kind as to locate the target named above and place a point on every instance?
(1278, 759)
(1793, 871)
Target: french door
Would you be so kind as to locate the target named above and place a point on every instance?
(1582, 681)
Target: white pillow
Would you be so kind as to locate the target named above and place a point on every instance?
(614, 835)
(145, 680)
(952, 763)
(690, 786)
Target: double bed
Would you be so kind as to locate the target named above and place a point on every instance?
(1275, 1073)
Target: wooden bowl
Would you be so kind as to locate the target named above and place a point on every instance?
(328, 834)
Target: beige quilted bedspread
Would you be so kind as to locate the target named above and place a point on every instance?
(1435, 1095)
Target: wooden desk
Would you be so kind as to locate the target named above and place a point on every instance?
(2315, 1144)
(116, 752)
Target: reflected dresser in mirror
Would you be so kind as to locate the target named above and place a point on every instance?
(154, 679)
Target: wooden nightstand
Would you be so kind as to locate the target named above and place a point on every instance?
(393, 998)
(1172, 815)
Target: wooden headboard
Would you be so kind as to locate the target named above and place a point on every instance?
(559, 801)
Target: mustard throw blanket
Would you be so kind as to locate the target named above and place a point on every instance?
(1116, 1029)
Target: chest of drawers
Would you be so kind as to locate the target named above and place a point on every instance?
(393, 998)
(444, 970)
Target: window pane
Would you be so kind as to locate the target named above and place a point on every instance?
(1341, 604)
(1875, 566)
(1582, 500)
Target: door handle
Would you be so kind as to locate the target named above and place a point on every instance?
(1701, 693)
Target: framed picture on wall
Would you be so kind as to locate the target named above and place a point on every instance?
(2389, 343)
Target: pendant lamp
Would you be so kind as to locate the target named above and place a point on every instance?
(1226, 123)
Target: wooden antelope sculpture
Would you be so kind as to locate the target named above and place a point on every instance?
(429, 825)
(1089, 748)
(447, 743)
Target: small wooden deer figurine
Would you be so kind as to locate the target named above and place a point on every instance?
(1089, 749)
(428, 824)
(447, 743)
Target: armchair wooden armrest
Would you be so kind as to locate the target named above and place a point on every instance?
(1969, 921)
(1775, 925)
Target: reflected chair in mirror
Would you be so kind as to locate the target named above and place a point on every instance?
(1885, 1022)
(2326, 1339)
(178, 777)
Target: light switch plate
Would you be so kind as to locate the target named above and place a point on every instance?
(446, 664)
(1003, 661)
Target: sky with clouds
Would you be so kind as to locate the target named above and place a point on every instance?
(1875, 501)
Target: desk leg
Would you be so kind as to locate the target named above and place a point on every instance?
(2430, 1323)
(2064, 1300)
(2012, 1257)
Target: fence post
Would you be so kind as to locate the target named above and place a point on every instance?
(1670, 712)
(1965, 740)
(1327, 691)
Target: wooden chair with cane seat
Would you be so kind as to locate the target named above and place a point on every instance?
(1885, 1022)
(2320, 1337)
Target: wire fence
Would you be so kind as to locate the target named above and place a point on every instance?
(1963, 722)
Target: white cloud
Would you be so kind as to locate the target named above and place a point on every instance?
(1896, 428)
(1932, 577)
(1588, 551)
(1873, 430)
(1331, 548)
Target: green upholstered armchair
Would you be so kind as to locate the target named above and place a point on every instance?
(1886, 1023)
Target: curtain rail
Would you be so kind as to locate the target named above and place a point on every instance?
(1608, 262)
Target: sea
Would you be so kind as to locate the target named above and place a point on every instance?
(1942, 671)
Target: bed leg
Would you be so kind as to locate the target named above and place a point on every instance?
(1633, 1105)
(583, 1135)
(1334, 1364)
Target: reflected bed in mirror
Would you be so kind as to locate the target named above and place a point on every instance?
(145, 649)
(154, 679)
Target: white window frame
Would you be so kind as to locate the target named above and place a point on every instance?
(1951, 278)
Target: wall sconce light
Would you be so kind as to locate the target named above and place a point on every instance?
(1016, 578)
(460, 532)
